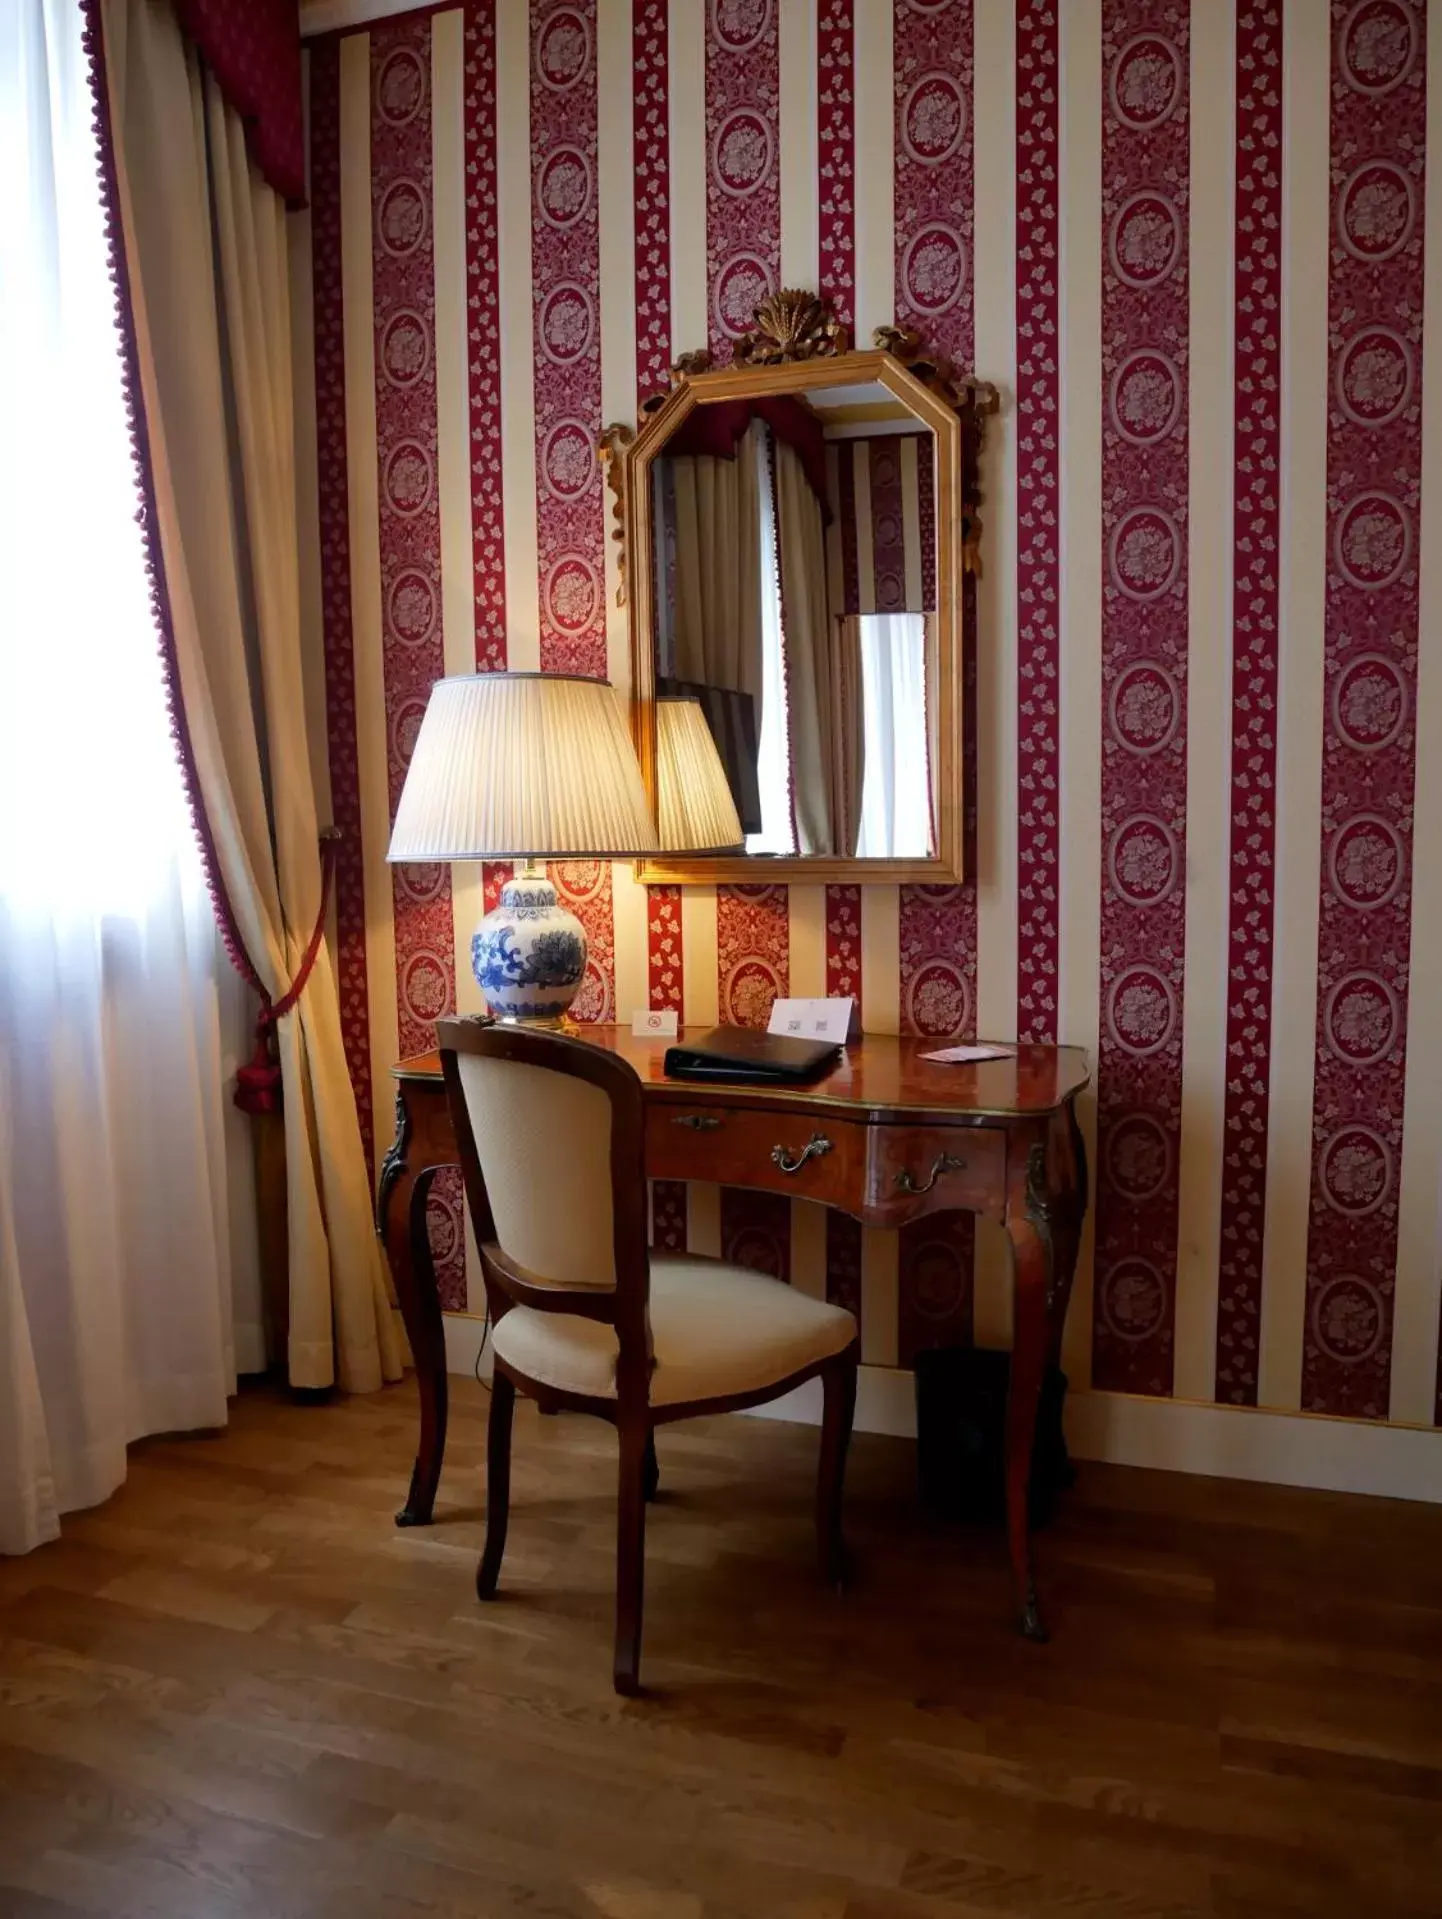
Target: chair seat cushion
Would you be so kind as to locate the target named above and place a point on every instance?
(716, 1330)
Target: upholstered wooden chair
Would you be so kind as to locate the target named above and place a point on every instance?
(586, 1317)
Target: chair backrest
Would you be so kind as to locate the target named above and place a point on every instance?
(550, 1132)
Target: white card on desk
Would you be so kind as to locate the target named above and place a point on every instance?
(969, 1055)
(826, 1019)
(654, 1025)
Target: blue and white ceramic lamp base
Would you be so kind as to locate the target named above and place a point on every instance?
(529, 953)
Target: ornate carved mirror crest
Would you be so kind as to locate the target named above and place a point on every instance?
(794, 529)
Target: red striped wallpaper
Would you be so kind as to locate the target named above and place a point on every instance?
(650, 108)
(1145, 159)
(836, 157)
(1374, 461)
(483, 338)
(1038, 489)
(743, 165)
(1255, 595)
(566, 279)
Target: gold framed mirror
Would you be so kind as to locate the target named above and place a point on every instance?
(795, 529)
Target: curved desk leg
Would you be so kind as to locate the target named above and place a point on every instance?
(401, 1209)
(1070, 1217)
(1045, 1204)
(1031, 1276)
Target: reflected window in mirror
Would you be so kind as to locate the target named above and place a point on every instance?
(895, 789)
(777, 832)
(794, 587)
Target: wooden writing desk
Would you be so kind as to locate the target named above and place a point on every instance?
(885, 1136)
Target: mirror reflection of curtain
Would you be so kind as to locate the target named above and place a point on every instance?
(896, 798)
(716, 571)
(824, 697)
(777, 832)
(663, 567)
(849, 751)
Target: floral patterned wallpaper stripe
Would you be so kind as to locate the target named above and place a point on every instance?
(1255, 591)
(1374, 462)
(1145, 158)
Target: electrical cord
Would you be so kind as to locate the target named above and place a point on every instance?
(481, 1349)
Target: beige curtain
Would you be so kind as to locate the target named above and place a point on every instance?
(823, 696)
(206, 254)
(718, 569)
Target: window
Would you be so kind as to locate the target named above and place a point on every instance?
(895, 797)
(92, 805)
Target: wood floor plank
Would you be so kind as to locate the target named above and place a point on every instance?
(236, 1691)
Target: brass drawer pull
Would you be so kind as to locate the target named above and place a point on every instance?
(943, 1163)
(698, 1122)
(813, 1149)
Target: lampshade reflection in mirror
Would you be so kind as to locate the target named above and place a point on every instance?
(697, 809)
(521, 766)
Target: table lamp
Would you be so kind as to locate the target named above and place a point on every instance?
(698, 813)
(523, 766)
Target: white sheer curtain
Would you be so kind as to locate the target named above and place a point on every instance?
(814, 689)
(124, 1232)
(895, 801)
(773, 757)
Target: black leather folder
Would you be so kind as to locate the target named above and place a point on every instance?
(743, 1057)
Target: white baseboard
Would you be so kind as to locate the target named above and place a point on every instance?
(463, 1344)
(1177, 1435)
(1246, 1442)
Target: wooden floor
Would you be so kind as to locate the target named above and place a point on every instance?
(237, 1690)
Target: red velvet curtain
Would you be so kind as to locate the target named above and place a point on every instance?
(716, 429)
(253, 49)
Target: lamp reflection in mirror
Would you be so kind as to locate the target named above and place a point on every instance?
(698, 812)
(524, 766)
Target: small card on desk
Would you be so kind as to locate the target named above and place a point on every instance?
(654, 1025)
(969, 1055)
(832, 1020)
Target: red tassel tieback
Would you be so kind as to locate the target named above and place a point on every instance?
(258, 1084)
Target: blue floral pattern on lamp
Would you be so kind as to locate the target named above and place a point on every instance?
(529, 953)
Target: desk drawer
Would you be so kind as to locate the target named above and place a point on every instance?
(827, 1157)
(915, 1170)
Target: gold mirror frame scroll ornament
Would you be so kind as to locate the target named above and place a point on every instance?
(797, 344)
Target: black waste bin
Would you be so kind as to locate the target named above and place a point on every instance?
(961, 1436)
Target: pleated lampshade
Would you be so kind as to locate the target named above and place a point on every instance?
(698, 813)
(522, 766)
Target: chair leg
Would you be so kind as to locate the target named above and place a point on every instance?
(838, 1380)
(635, 1438)
(652, 1468)
(498, 1483)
